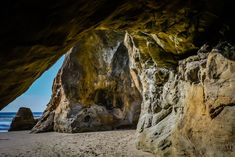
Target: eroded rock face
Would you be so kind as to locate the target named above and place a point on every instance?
(23, 120)
(187, 109)
(93, 90)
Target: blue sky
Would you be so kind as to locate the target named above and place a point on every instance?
(39, 94)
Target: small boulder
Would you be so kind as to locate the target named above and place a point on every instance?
(23, 120)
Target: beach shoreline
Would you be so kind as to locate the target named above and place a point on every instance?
(115, 143)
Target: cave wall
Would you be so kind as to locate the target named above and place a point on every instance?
(188, 108)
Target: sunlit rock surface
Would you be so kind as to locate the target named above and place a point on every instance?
(187, 110)
(93, 90)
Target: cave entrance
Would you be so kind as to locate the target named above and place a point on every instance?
(36, 97)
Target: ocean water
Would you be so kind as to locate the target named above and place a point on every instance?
(6, 118)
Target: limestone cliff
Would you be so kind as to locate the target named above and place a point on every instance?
(188, 108)
(93, 90)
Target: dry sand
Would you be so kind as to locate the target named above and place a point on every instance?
(118, 143)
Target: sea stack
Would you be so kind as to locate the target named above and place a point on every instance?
(23, 120)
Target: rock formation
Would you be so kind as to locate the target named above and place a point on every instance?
(93, 90)
(185, 88)
(34, 35)
(187, 101)
(23, 120)
(187, 108)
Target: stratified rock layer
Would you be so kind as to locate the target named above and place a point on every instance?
(23, 120)
(188, 109)
(93, 90)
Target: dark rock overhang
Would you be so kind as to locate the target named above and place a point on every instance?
(34, 34)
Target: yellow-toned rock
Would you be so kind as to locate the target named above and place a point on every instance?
(94, 89)
(187, 110)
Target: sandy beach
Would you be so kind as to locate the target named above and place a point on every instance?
(119, 143)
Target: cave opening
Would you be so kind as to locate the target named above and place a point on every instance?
(35, 98)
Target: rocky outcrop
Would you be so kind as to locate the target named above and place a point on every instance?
(187, 108)
(93, 90)
(23, 120)
(32, 39)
